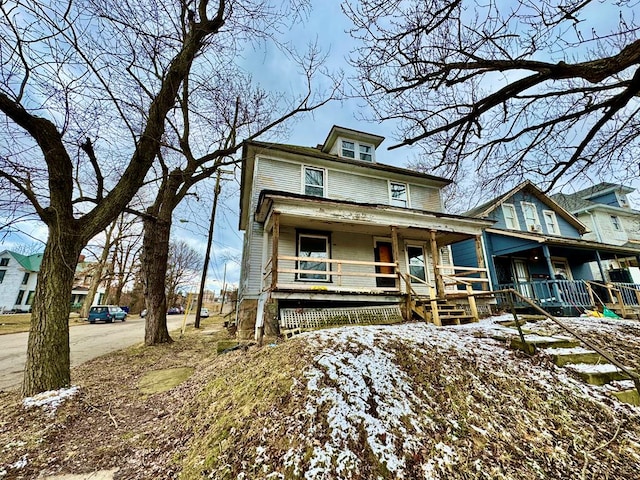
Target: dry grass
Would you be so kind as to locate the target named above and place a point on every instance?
(19, 322)
(240, 413)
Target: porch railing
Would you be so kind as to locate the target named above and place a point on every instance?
(570, 293)
(463, 276)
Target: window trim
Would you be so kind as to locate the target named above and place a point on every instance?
(304, 180)
(536, 219)
(20, 297)
(427, 277)
(25, 278)
(357, 150)
(512, 207)
(556, 230)
(4, 262)
(407, 200)
(616, 223)
(327, 273)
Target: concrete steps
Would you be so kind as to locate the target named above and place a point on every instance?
(584, 363)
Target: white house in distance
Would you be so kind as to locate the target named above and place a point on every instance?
(605, 210)
(19, 277)
(329, 229)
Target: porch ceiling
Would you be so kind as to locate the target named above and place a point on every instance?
(324, 214)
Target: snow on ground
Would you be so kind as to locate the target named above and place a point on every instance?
(50, 400)
(361, 400)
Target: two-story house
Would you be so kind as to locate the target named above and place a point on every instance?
(538, 248)
(18, 278)
(329, 227)
(606, 211)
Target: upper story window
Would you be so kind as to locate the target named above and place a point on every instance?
(25, 279)
(358, 151)
(510, 217)
(531, 216)
(551, 222)
(398, 193)
(615, 221)
(314, 181)
(4, 262)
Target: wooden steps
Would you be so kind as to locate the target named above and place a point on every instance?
(440, 312)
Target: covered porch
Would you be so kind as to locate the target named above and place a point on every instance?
(323, 253)
(563, 276)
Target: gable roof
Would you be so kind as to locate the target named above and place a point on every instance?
(581, 199)
(486, 208)
(28, 262)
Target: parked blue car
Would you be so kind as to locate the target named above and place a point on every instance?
(106, 313)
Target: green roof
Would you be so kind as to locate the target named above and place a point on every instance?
(28, 262)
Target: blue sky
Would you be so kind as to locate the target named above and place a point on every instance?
(327, 26)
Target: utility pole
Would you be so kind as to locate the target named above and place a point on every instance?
(209, 242)
(224, 287)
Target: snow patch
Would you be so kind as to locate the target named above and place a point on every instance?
(50, 400)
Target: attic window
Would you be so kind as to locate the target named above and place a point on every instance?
(350, 149)
(4, 262)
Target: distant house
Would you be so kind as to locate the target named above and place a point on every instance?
(19, 277)
(330, 228)
(605, 210)
(538, 248)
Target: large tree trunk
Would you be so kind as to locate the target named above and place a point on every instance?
(47, 366)
(155, 254)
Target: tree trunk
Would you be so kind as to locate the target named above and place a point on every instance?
(48, 360)
(155, 254)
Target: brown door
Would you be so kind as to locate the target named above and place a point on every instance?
(384, 253)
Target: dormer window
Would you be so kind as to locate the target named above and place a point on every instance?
(357, 151)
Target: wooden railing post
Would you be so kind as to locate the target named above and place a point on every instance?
(472, 304)
(435, 257)
(275, 238)
(435, 315)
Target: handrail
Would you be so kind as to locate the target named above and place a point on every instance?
(634, 376)
(334, 260)
(608, 287)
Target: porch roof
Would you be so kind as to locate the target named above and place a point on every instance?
(569, 243)
(317, 213)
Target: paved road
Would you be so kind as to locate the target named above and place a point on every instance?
(86, 341)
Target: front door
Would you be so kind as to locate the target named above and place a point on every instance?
(521, 273)
(383, 252)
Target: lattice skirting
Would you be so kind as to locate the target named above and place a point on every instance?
(311, 318)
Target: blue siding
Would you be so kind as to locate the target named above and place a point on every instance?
(566, 229)
(464, 253)
(606, 199)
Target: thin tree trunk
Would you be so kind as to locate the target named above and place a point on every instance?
(48, 357)
(155, 255)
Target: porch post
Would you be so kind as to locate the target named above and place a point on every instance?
(552, 274)
(396, 249)
(435, 258)
(480, 257)
(275, 238)
(600, 267)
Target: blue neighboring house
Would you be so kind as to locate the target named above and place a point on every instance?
(536, 247)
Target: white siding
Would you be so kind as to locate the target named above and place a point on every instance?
(12, 284)
(357, 188)
(425, 198)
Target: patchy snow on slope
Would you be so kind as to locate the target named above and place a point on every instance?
(362, 405)
(50, 400)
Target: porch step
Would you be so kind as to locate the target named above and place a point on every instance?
(535, 342)
(628, 396)
(565, 356)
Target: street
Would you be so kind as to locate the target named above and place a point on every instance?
(86, 342)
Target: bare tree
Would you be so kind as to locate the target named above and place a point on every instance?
(183, 268)
(86, 87)
(498, 91)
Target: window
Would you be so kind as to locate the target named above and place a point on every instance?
(398, 193)
(25, 279)
(314, 181)
(551, 222)
(416, 264)
(4, 262)
(350, 149)
(510, 217)
(615, 221)
(2, 272)
(20, 296)
(531, 217)
(29, 301)
(313, 247)
(366, 153)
